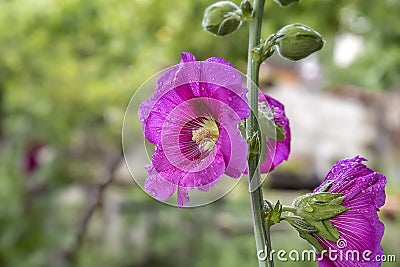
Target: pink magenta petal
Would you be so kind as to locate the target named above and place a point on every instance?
(230, 97)
(206, 176)
(278, 151)
(183, 197)
(164, 167)
(187, 57)
(325, 262)
(160, 110)
(234, 150)
(157, 186)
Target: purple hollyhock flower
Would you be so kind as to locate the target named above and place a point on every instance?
(277, 150)
(192, 120)
(359, 227)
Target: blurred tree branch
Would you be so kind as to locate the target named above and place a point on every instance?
(71, 255)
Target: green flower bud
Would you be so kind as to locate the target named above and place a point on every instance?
(286, 3)
(272, 213)
(297, 41)
(222, 18)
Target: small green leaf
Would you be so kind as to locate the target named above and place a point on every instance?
(242, 129)
(325, 230)
(305, 230)
(327, 210)
(265, 49)
(247, 10)
(326, 186)
(276, 214)
(331, 229)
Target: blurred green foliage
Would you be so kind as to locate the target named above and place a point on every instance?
(68, 69)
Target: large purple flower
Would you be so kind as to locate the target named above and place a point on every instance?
(359, 227)
(278, 146)
(193, 120)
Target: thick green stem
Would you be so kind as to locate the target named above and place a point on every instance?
(261, 230)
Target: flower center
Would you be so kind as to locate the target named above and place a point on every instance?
(207, 135)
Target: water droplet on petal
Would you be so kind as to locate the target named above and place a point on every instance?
(153, 192)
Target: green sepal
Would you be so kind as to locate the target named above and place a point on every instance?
(242, 129)
(272, 214)
(333, 231)
(254, 144)
(247, 10)
(323, 211)
(320, 206)
(300, 224)
(317, 208)
(265, 49)
(326, 230)
(305, 230)
(312, 240)
(326, 186)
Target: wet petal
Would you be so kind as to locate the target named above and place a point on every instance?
(278, 151)
(164, 167)
(183, 197)
(234, 150)
(352, 178)
(157, 186)
(161, 109)
(205, 177)
(187, 57)
(229, 96)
